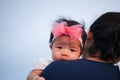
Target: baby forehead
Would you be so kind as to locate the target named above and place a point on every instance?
(68, 43)
(64, 40)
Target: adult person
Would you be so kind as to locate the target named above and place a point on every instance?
(102, 50)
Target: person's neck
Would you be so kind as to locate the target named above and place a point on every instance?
(95, 59)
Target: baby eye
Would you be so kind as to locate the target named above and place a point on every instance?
(73, 50)
(59, 47)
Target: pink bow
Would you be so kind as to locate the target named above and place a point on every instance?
(75, 31)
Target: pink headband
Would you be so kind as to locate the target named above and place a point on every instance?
(75, 31)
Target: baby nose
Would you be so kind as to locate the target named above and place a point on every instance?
(65, 52)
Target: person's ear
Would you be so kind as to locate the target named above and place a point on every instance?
(81, 52)
(89, 34)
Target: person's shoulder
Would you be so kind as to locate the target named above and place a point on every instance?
(63, 62)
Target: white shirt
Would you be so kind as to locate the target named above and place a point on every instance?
(41, 64)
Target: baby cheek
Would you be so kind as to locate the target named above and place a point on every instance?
(56, 55)
(57, 52)
(76, 55)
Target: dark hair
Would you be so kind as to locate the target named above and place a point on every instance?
(70, 23)
(106, 36)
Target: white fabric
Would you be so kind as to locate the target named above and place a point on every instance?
(118, 64)
(41, 64)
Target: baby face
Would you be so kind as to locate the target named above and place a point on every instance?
(63, 49)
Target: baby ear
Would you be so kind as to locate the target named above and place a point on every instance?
(50, 45)
(89, 34)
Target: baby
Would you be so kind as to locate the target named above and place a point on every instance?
(66, 42)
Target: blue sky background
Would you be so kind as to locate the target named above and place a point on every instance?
(25, 26)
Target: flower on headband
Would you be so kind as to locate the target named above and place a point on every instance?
(74, 31)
